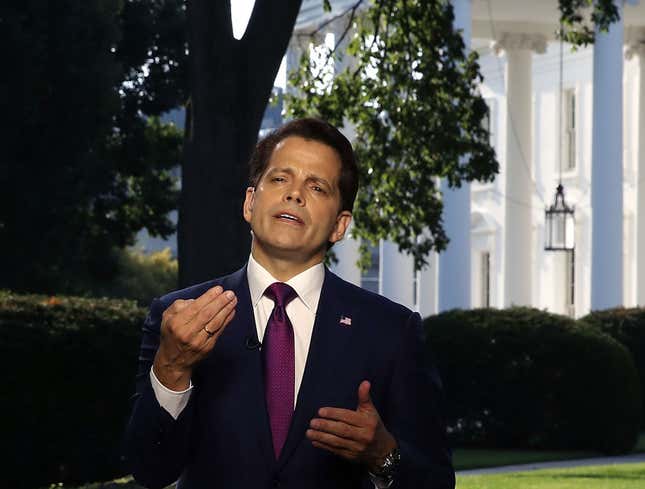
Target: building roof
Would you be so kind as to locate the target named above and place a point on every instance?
(489, 16)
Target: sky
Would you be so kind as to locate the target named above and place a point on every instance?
(240, 12)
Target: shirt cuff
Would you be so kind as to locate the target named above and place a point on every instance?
(172, 401)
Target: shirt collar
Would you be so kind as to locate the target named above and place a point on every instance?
(307, 284)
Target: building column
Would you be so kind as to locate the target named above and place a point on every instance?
(295, 49)
(347, 250)
(427, 287)
(396, 274)
(607, 169)
(638, 49)
(518, 242)
(454, 261)
(347, 254)
(640, 188)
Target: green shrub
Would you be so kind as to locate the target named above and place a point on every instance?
(626, 326)
(69, 367)
(138, 276)
(524, 378)
(145, 276)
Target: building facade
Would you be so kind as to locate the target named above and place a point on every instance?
(584, 132)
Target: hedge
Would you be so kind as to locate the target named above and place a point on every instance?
(525, 378)
(513, 378)
(69, 366)
(627, 326)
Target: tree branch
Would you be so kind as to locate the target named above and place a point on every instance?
(353, 9)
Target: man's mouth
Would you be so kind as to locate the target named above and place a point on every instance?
(289, 217)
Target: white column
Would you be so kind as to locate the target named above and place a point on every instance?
(396, 274)
(638, 49)
(346, 250)
(518, 182)
(640, 189)
(347, 254)
(427, 287)
(454, 261)
(297, 46)
(607, 169)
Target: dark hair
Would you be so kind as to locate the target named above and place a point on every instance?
(316, 130)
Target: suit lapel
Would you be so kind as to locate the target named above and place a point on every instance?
(242, 336)
(328, 340)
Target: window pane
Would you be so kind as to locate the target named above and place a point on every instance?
(485, 279)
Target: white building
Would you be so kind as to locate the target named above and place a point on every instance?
(496, 256)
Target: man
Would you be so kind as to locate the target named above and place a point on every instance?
(282, 374)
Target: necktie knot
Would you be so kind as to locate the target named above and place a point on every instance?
(280, 293)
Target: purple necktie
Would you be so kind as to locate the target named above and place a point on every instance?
(279, 360)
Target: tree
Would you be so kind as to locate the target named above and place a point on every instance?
(412, 98)
(413, 101)
(578, 31)
(230, 85)
(85, 162)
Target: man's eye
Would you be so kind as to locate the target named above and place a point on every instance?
(277, 179)
(317, 188)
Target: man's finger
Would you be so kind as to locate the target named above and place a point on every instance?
(179, 305)
(212, 294)
(338, 428)
(221, 319)
(339, 414)
(334, 441)
(364, 399)
(229, 318)
(207, 314)
(348, 454)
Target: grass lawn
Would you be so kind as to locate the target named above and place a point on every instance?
(627, 476)
(595, 477)
(472, 458)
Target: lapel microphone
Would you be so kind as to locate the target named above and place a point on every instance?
(252, 344)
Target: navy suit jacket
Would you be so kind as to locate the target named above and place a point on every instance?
(222, 438)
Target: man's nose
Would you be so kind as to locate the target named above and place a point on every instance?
(294, 194)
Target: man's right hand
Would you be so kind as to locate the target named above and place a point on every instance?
(189, 330)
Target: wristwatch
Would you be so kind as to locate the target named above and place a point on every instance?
(390, 464)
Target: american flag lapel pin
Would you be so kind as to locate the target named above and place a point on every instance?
(346, 320)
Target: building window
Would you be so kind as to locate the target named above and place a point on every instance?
(488, 120)
(415, 289)
(569, 130)
(485, 279)
(570, 283)
(369, 278)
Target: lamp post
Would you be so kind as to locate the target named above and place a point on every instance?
(560, 224)
(559, 217)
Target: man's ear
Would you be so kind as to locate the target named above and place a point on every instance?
(342, 223)
(247, 208)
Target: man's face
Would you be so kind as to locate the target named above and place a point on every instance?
(294, 209)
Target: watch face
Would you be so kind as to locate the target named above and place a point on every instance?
(390, 464)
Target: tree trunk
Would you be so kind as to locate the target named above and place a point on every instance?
(230, 85)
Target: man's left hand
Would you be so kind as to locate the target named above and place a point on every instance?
(358, 435)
